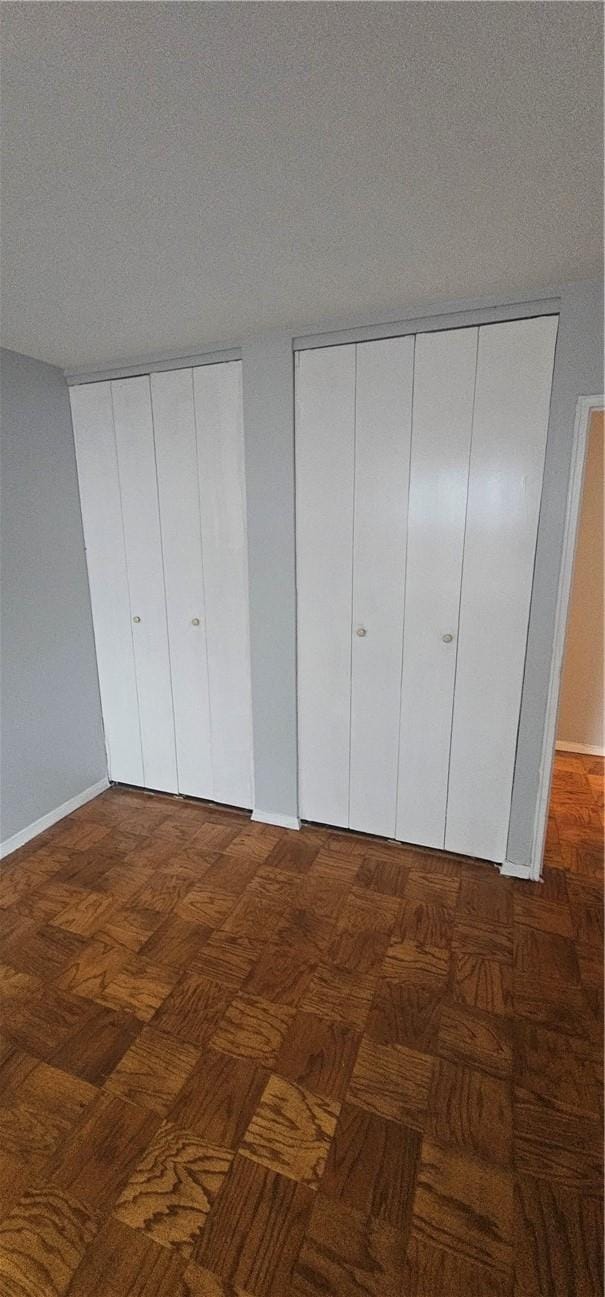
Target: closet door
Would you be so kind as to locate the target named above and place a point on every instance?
(444, 381)
(383, 409)
(176, 455)
(325, 433)
(137, 471)
(108, 578)
(220, 475)
(514, 376)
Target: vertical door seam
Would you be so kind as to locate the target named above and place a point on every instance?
(205, 602)
(353, 514)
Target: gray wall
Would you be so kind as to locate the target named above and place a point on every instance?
(51, 737)
(578, 372)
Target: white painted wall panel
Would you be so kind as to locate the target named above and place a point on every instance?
(105, 556)
(444, 379)
(514, 375)
(177, 471)
(218, 414)
(137, 471)
(382, 455)
(325, 434)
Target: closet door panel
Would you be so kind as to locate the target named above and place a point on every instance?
(325, 433)
(382, 456)
(136, 464)
(104, 540)
(444, 378)
(514, 375)
(176, 456)
(218, 413)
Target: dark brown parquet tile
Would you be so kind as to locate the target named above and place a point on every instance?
(431, 1271)
(318, 1055)
(95, 1049)
(253, 1028)
(405, 1015)
(339, 996)
(482, 983)
(391, 1081)
(206, 906)
(464, 1206)
(415, 964)
(379, 875)
(193, 1009)
(177, 942)
(123, 1262)
(471, 1111)
(153, 1070)
(93, 969)
(228, 959)
(304, 1064)
(348, 1254)
(478, 1039)
(43, 951)
(372, 1166)
(562, 1069)
(255, 1231)
(42, 1242)
(108, 1141)
(171, 1191)
(558, 1241)
(220, 1098)
(425, 923)
(280, 975)
(140, 987)
(565, 1147)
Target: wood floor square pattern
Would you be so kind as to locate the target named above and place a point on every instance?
(171, 1191)
(291, 1131)
(241, 1062)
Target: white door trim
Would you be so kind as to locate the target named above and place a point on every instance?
(585, 407)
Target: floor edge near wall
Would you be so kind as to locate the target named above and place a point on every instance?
(38, 826)
(585, 749)
(270, 817)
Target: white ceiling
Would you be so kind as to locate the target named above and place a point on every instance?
(182, 174)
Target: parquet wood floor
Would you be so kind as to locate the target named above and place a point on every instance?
(242, 1062)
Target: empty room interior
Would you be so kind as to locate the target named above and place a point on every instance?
(302, 727)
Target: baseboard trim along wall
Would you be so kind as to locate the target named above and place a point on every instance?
(282, 821)
(510, 870)
(587, 749)
(31, 831)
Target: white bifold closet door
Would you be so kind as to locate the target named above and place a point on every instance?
(200, 457)
(419, 472)
(160, 464)
(353, 421)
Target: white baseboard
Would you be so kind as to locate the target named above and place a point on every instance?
(588, 750)
(510, 870)
(24, 835)
(282, 821)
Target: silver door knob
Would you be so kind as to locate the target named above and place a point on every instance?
(136, 619)
(447, 639)
(361, 631)
(195, 621)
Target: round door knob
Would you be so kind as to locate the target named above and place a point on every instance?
(136, 619)
(195, 621)
(361, 631)
(447, 639)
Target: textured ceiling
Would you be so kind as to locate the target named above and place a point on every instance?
(182, 174)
